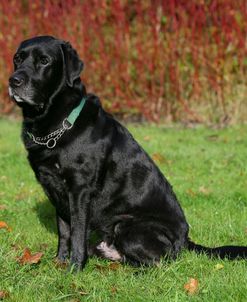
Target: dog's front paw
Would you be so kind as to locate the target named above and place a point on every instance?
(61, 262)
(62, 257)
(77, 265)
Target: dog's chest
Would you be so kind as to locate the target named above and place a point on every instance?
(50, 176)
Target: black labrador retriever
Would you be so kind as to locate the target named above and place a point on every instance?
(91, 168)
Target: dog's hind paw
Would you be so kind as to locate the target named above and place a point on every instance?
(108, 251)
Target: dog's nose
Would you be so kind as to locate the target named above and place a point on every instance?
(16, 81)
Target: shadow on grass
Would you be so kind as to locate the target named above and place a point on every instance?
(47, 215)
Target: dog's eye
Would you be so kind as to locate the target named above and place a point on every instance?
(17, 59)
(44, 60)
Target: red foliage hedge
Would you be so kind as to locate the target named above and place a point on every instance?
(170, 59)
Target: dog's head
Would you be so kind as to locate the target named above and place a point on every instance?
(42, 67)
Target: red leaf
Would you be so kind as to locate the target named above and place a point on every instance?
(114, 289)
(3, 225)
(191, 287)
(4, 294)
(158, 158)
(113, 266)
(28, 258)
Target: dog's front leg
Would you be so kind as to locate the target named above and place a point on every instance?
(79, 215)
(63, 239)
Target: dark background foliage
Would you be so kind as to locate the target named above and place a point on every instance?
(170, 60)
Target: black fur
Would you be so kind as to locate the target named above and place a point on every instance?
(97, 176)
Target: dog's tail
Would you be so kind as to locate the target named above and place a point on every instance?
(229, 251)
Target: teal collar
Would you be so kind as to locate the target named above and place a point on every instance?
(76, 111)
(51, 139)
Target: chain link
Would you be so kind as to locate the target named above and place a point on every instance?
(51, 139)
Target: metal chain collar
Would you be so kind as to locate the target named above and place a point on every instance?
(51, 139)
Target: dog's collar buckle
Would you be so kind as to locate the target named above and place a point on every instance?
(66, 124)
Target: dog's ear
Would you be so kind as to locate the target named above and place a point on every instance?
(72, 63)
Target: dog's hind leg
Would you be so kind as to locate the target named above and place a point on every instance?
(142, 243)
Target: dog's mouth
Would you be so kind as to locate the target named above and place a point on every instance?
(18, 98)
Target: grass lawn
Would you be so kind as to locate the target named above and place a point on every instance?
(208, 171)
